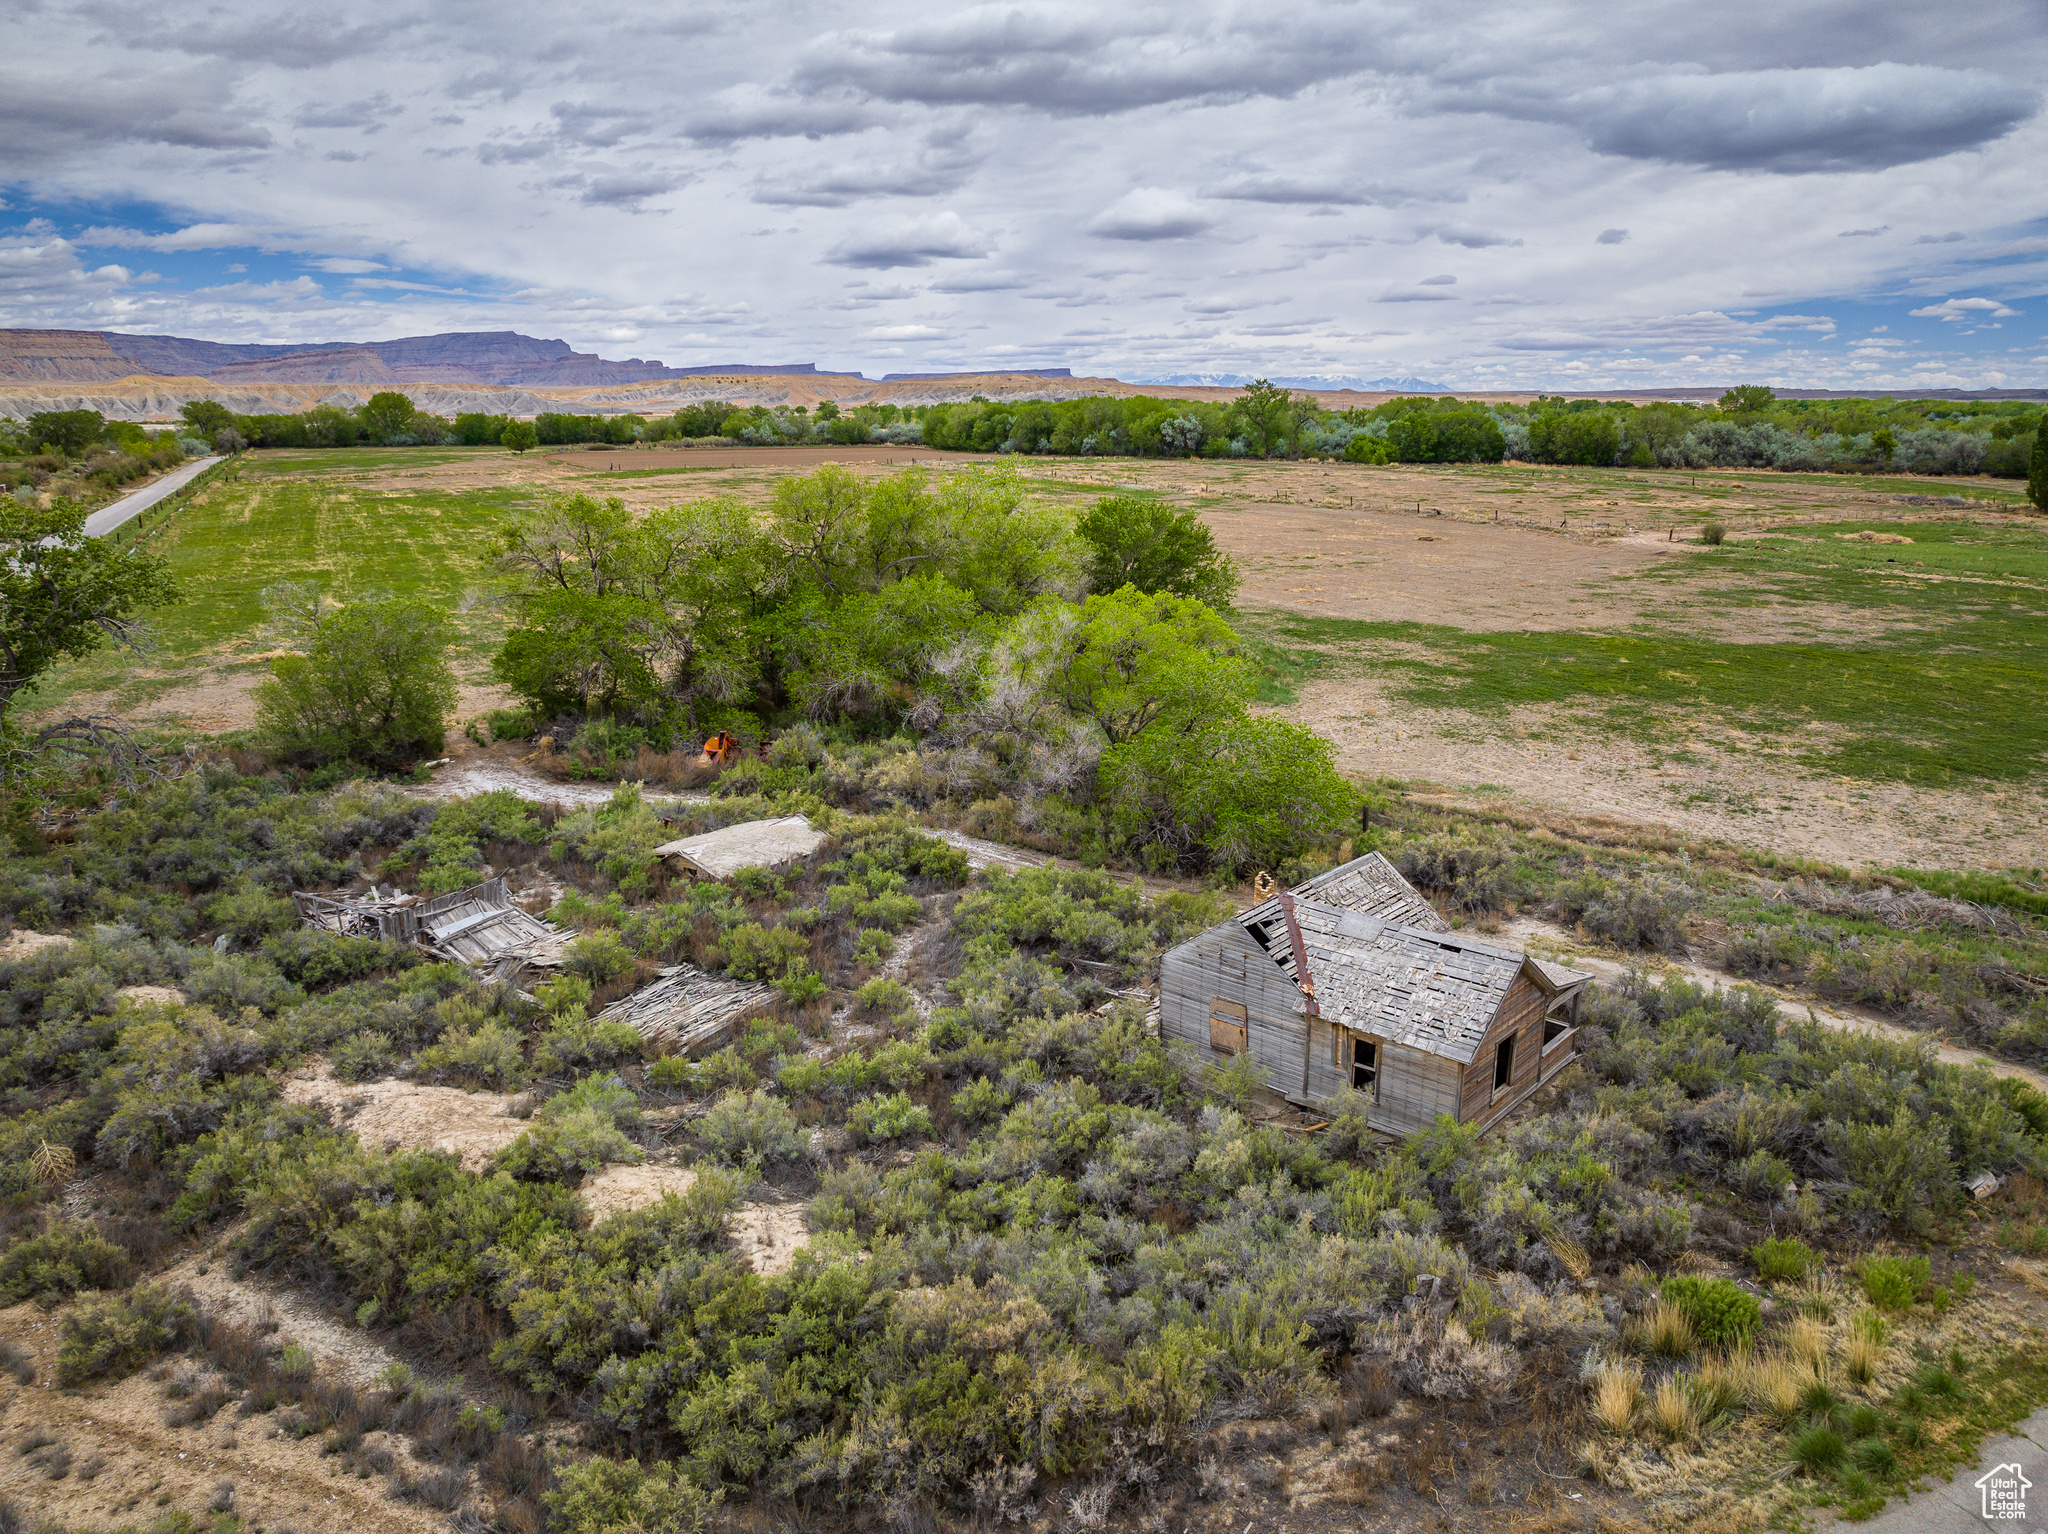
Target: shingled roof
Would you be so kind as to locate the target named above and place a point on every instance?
(1369, 885)
(1381, 968)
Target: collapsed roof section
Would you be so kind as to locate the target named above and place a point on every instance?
(478, 927)
(752, 844)
(685, 1011)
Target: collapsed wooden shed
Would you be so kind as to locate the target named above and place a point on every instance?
(685, 1011)
(753, 844)
(478, 927)
(1352, 980)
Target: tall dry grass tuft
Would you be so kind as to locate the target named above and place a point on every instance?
(1808, 1340)
(1570, 1255)
(1617, 1393)
(1862, 1357)
(1717, 1386)
(1665, 1331)
(1775, 1383)
(1672, 1411)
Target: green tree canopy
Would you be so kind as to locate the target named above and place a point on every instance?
(70, 432)
(519, 436)
(205, 416)
(387, 414)
(63, 594)
(373, 686)
(1134, 541)
(1748, 399)
(1130, 660)
(1264, 409)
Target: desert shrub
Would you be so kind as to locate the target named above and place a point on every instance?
(248, 913)
(981, 1100)
(62, 1258)
(1783, 1259)
(228, 982)
(585, 1044)
(450, 848)
(617, 838)
(1721, 1312)
(714, 1073)
(1713, 534)
(1894, 1283)
(751, 1126)
(883, 998)
(111, 1335)
(318, 960)
(608, 1496)
(576, 1131)
(362, 1057)
(485, 1055)
(888, 1117)
(1645, 912)
(597, 956)
(1472, 875)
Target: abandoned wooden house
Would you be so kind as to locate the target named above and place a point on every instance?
(752, 844)
(1352, 980)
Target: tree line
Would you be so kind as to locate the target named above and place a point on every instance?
(1749, 427)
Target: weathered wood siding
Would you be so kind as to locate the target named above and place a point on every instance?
(1224, 963)
(1521, 1014)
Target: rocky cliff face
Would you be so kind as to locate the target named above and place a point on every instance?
(502, 357)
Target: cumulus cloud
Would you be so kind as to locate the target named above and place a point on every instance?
(1324, 191)
(1953, 309)
(1798, 121)
(1151, 213)
(1611, 237)
(1474, 239)
(913, 242)
(902, 333)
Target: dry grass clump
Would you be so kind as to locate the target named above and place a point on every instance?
(1776, 1383)
(1617, 1395)
(1862, 1356)
(1717, 1386)
(1665, 1331)
(1672, 1411)
(1808, 1340)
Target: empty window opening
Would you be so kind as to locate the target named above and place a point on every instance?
(1504, 1063)
(1365, 1066)
(1553, 1026)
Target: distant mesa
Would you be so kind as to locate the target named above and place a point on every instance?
(1317, 381)
(982, 373)
(460, 357)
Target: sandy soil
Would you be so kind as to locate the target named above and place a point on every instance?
(770, 1235)
(153, 995)
(406, 1115)
(620, 1188)
(22, 943)
(140, 1467)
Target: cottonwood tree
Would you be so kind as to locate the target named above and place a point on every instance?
(1133, 541)
(63, 595)
(387, 414)
(373, 686)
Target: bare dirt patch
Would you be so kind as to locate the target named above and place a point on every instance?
(769, 1235)
(1722, 788)
(405, 1115)
(152, 995)
(620, 1188)
(127, 1466)
(23, 944)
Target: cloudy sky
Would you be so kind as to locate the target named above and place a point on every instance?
(1544, 194)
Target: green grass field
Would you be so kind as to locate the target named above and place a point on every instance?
(261, 525)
